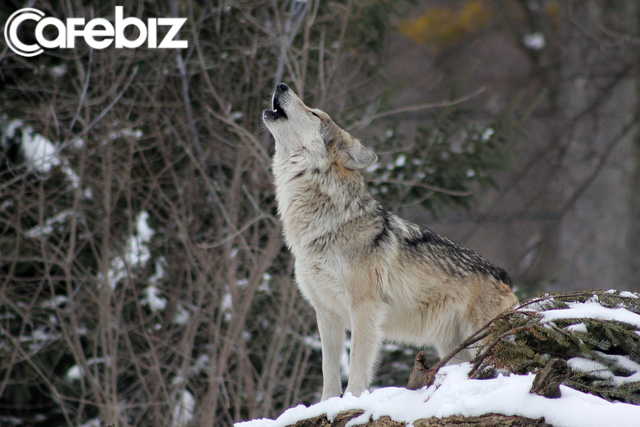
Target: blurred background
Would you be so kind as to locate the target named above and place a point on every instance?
(143, 277)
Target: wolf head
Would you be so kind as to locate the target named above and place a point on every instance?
(300, 129)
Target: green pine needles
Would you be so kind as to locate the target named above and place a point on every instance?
(596, 332)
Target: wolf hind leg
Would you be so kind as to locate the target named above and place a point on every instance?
(332, 333)
(366, 336)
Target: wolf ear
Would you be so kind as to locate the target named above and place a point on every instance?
(357, 156)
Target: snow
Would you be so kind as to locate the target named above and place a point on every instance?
(10, 130)
(487, 134)
(578, 327)
(264, 284)
(628, 294)
(54, 302)
(39, 152)
(77, 372)
(587, 365)
(49, 225)
(593, 310)
(534, 41)
(454, 394)
(182, 315)
(145, 233)
(600, 370)
(125, 133)
(237, 115)
(183, 411)
(626, 363)
(401, 160)
(153, 300)
(136, 253)
(152, 294)
(160, 264)
(202, 364)
(58, 70)
(227, 306)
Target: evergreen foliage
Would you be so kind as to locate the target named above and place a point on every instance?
(596, 332)
(451, 160)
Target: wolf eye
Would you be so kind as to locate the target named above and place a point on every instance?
(315, 114)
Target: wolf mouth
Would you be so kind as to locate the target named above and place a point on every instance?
(277, 112)
(277, 108)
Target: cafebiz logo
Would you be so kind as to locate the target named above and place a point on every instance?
(98, 33)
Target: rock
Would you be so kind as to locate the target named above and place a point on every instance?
(547, 381)
(418, 377)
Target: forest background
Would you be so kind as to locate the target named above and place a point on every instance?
(143, 277)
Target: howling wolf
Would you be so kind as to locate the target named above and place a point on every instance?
(361, 267)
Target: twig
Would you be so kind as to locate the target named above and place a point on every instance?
(234, 235)
(289, 31)
(477, 336)
(417, 107)
(83, 95)
(103, 112)
(426, 186)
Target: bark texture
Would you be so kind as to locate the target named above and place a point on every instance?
(481, 421)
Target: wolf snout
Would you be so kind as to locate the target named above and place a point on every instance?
(278, 96)
(282, 87)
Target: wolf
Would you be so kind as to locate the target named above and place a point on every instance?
(361, 267)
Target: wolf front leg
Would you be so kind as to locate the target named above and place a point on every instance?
(366, 335)
(332, 338)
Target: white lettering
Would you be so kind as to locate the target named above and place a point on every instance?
(72, 33)
(59, 41)
(121, 24)
(152, 41)
(11, 31)
(98, 33)
(91, 32)
(168, 42)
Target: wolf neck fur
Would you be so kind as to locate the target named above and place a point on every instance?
(315, 199)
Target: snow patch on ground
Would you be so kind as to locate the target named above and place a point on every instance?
(454, 393)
